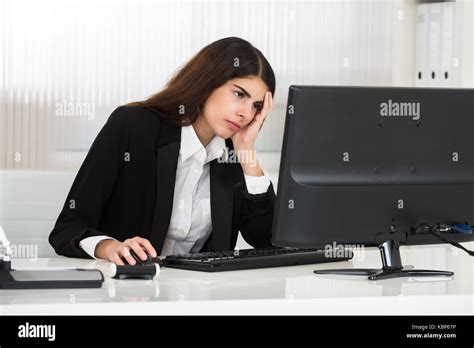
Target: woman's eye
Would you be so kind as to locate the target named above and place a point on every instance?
(239, 94)
(257, 107)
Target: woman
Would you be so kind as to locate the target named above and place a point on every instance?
(177, 173)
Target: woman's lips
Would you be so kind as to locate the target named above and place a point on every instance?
(232, 125)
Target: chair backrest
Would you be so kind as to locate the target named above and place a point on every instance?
(30, 202)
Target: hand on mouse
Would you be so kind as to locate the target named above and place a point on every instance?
(116, 252)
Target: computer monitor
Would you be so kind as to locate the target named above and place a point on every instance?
(376, 167)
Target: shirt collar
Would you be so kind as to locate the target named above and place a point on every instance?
(190, 145)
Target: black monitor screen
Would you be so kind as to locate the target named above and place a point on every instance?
(361, 165)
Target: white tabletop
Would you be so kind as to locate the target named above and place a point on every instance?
(281, 290)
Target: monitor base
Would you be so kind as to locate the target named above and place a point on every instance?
(392, 266)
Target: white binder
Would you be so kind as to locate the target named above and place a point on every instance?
(421, 48)
(447, 45)
(434, 44)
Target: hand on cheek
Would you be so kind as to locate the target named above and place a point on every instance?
(245, 138)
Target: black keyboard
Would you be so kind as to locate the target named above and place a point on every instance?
(249, 258)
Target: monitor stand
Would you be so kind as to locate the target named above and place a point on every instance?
(392, 266)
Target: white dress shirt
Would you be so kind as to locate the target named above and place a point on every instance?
(190, 223)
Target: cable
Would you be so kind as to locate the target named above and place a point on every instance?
(437, 229)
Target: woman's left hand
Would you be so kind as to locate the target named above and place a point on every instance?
(245, 138)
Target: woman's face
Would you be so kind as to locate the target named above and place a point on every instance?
(233, 106)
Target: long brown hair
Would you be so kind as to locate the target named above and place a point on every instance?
(183, 97)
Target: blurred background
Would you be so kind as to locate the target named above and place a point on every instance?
(66, 65)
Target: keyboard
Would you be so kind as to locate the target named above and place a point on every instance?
(250, 258)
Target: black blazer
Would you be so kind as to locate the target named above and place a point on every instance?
(125, 188)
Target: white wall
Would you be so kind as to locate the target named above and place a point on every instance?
(95, 55)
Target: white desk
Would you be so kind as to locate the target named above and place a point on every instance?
(283, 290)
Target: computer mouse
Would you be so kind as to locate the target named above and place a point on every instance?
(139, 261)
(143, 269)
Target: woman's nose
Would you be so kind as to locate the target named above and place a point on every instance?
(246, 112)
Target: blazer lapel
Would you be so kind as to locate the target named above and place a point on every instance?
(166, 165)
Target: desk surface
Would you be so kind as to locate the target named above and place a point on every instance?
(282, 290)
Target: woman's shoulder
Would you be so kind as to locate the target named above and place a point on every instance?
(139, 123)
(127, 113)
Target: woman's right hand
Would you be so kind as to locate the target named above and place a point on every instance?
(116, 252)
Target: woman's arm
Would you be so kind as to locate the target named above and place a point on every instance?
(92, 187)
(254, 212)
(256, 216)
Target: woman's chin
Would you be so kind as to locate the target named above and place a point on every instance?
(227, 136)
(225, 133)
